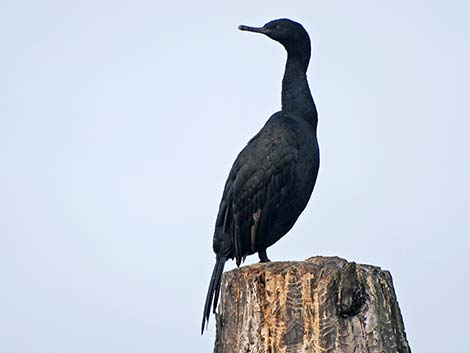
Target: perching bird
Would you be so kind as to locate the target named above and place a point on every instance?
(273, 177)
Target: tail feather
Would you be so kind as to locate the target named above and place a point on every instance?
(213, 291)
(217, 289)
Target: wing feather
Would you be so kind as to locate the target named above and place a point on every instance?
(261, 175)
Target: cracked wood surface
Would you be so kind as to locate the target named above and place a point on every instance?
(321, 305)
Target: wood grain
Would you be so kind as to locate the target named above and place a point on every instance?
(321, 305)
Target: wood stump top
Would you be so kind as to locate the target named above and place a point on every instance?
(322, 304)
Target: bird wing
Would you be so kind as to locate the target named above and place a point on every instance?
(260, 179)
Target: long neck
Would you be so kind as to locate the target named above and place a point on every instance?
(296, 96)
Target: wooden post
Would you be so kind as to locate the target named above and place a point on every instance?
(321, 305)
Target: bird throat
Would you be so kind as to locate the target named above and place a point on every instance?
(296, 96)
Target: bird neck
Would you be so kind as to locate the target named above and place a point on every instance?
(296, 96)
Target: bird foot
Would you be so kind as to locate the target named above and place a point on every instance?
(263, 257)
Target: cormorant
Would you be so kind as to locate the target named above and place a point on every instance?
(273, 177)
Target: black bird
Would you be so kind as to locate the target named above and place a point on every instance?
(273, 177)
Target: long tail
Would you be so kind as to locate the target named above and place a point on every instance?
(213, 291)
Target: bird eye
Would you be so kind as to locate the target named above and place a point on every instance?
(277, 27)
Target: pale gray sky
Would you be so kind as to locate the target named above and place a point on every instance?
(119, 122)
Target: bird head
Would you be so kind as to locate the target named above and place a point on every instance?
(290, 34)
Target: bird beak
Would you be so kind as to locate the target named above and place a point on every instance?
(252, 29)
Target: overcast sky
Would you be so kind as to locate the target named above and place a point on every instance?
(119, 122)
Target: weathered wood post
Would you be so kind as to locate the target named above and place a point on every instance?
(321, 305)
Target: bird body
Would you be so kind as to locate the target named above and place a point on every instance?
(267, 176)
(272, 178)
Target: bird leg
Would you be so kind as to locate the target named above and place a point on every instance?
(262, 253)
(263, 257)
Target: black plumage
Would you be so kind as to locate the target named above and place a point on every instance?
(273, 177)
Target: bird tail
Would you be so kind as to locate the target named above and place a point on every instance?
(213, 291)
